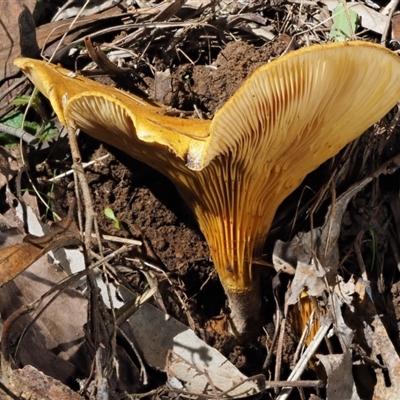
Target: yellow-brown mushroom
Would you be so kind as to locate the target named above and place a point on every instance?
(234, 171)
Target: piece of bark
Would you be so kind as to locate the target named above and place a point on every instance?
(45, 387)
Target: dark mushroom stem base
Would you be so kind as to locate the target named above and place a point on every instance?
(245, 305)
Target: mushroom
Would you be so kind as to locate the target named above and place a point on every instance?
(290, 116)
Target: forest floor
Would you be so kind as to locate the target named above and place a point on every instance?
(191, 57)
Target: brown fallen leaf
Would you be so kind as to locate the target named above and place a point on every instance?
(15, 15)
(51, 337)
(9, 166)
(14, 18)
(45, 386)
(17, 258)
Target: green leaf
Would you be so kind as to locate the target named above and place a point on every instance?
(21, 100)
(13, 119)
(109, 213)
(345, 23)
(34, 101)
(48, 132)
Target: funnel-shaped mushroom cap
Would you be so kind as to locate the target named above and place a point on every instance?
(289, 117)
(117, 117)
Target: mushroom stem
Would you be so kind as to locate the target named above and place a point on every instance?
(245, 308)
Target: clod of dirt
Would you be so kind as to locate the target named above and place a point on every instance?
(208, 87)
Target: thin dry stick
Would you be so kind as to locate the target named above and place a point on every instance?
(82, 184)
(101, 381)
(274, 340)
(302, 384)
(304, 360)
(279, 350)
(19, 133)
(304, 335)
(84, 165)
(18, 82)
(385, 32)
(113, 334)
(86, 197)
(66, 33)
(278, 321)
(116, 239)
(19, 187)
(143, 372)
(360, 259)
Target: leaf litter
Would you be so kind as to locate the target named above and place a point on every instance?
(182, 54)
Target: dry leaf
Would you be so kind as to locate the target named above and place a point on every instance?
(308, 277)
(338, 368)
(15, 15)
(8, 166)
(52, 343)
(190, 363)
(15, 259)
(94, 7)
(370, 19)
(383, 352)
(45, 386)
(320, 244)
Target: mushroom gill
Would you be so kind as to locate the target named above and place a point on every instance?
(290, 116)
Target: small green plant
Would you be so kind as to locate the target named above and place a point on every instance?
(345, 23)
(109, 213)
(16, 119)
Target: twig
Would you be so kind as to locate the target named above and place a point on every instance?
(100, 329)
(5, 92)
(304, 335)
(304, 360)
(279, 349)
(268, 384)
(19, 133)
(61, 9)
(302, 384)
(274, 340)
(87, 199)
(116, 239)
(385, 32)
(84, 165)
(66, 33)
(143, 372)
